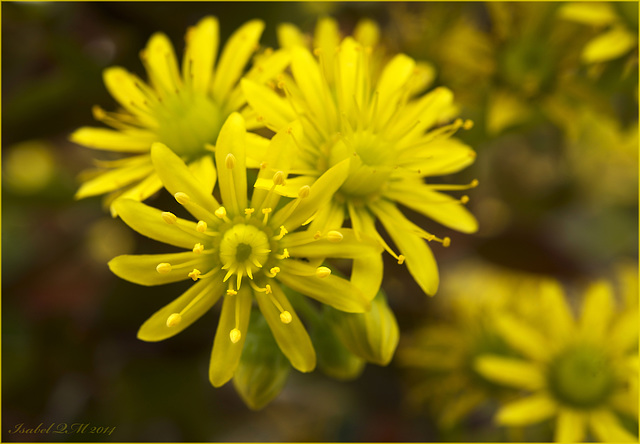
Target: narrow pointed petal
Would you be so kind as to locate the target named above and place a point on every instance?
(161, 63)
(560, 320)
(113, 180)
(148, 221)
(390, 86)
(624, 332)
(204, 170)
(309, 79)
(327, 40)
(273, 109)
(200, 54)
(141, 268)
(367, 32)
(607, 428)
(289, 35)
(437, 158)
(418, 256)
(225, 355)
(126, 88)
(111, 140)
(597, 311)
(143, 189)
(527, 411)
(510, 372)
(204, 294)
(570, 426)
(257, 149)
(331, 290)
(303, 244)
(292, 338)
(329, 217)
(609, 45)
(367, 274)
(235, 56)
(232, 181)
(438, 206)
(523, 337)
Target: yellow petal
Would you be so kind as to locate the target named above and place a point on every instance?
(327, 40)
(273, 109)
(624, 332)
(292, 338)
(113, 180)
(127, 89)
(436, 158)
(232, 181)
(553, 303)
(257, 149)
(200, 54)
(607, 428)
(162, 67)
(235, 55)
(148, 221)
(610, 45)
(204, 170)
(141, 268)
(597, 310)
(119, 141)
(303, 244)
(204, 294)
(367, 32)
(527, 411)
(289, 35)
(225, 356)
(367, 274)
(143, 189)
(591, 13)
(510, 372)
(570, 426)
(331, 290)
(522, 337)
(351, 77)
(391, 85)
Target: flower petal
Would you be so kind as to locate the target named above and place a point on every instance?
(623, 335)
(148, 221)
(559, 318)
(113, 180)
(225, 356)
(350, 77)
(176, 177)
(320, 194)
(438, 206)
(331, 290)
(200, 297)
(141, 268)
(275, 110)
(108, 139)
(419, 258)
(570, 426)
(327, 40)
(607, 428)
(436, 158)
(366, 32)
(160, 61)
(393, 79)
(200, 54)
(143, 189)
(303, 244)
(530, 410)
(257, 148)
(232, 181)
(289, 35)
(292, 338)
(511, 372)
(126, 88)
(609, 45)
(204, 170)
(234, 57)
(366, 274)
(596, 14)
(597, 311)
(522, 337)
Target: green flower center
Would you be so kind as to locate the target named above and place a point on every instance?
(187, 121)
(581, 377)
(244, 249)
(372, 161)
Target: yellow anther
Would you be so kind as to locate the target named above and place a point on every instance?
(169, 218)
(468, 124)
(195, 274)
(163, 268)
(231, 292)
(198, 248)
(323, 272)
(235, 335)
(304, 191)
(446, 242)
(278, 178)
(334, 236)
(285, 317)
(230, 161)
(464, 199)
(401, 259)
(474, 183)
(267, 289)
(274, 270)
(263, 165)
(285, 254)
(221, 212)
(266, 210)
(174, 320)
(201, 227)
(182, 198)
(249, 211)
(318, 235)
(283, 232)
(98, 113)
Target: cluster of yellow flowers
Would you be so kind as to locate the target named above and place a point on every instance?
(351, 133)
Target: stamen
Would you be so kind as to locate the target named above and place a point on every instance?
(198, 248)
(334, 236)
(446, 187)
(235, 335)
(222, 214)
(318, 235)
(464, 200)
(446, 242)
(323, 272)
(273, 272)
(248, 212)
(182, 198)
(201, 227)
(468, 124)
(304, 191)
(195, 274)
(174, 320)
(266, 212)
(285, 317)
(401, 259)
(231, 292)
(284, 255)
(163, 268)
(283, 232)
(169, 218)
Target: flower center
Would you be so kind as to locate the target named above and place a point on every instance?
(372, 161)
(244, 249)
(187, 121)
(581, 377)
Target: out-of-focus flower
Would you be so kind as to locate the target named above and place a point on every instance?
(615, 41)
(392, 136)
(28, 167)
(182, 108)
(582, 373)
(242, 251)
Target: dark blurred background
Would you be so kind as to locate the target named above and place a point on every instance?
(557, 143)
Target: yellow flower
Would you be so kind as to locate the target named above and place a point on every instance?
(182, 108)
(580, 372)
(350, 110)
(242, 250)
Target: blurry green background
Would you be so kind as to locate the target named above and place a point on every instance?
(557, 143)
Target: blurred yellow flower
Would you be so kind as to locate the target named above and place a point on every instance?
(582, 373)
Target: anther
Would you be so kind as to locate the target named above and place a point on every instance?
(174, 320)
(474, 183)
(230, 161)
(285, 317)
(334, 236)
(198, 248)
(163, 268)
(283, 232)
(221, 212)
(464, 199)
(195, 274)
(468, 124)
(446, 242)
(304, 191)
(169, 218)
(401, 259)
(231, 292)
(267, 289)
(235, 335)
(274, 271)
(278, 178)
(323, 272)
(249, 211)
(266, 212)
(182, 198)
(201, 227)
(318, 235)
